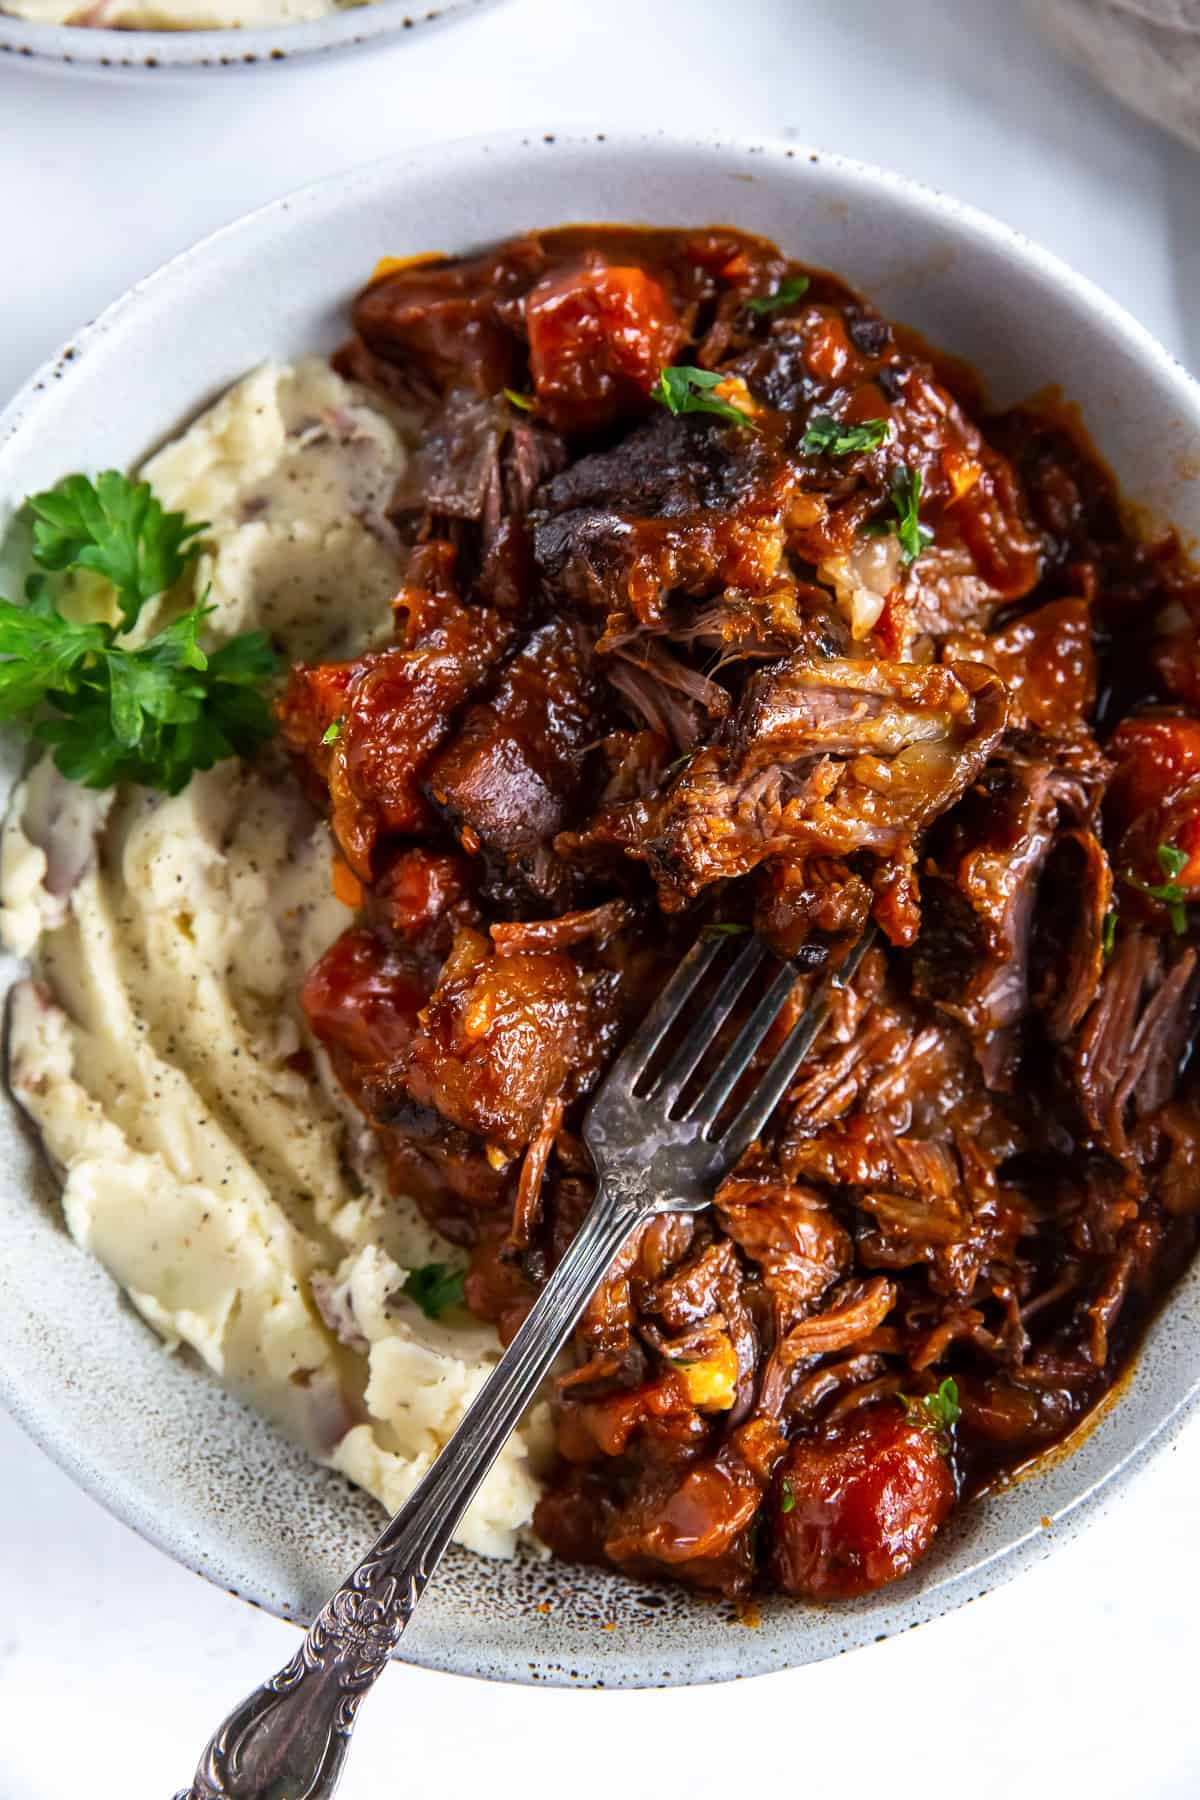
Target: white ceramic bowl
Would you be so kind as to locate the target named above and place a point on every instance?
(67, 48)
(154, 1438)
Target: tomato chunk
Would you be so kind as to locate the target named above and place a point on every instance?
(417, 889)
(1156, 754)
(858, 1506)
(313, 701)
(598, 338)
(1154, 797)
(362, 999)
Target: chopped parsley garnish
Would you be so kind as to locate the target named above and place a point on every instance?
(726, 928)
(906, 499)
(332, 733)
(152, 713)
(829, 437)
(786, 294)
(525, 402)
(937, 1413)
(687, 390)
(435, 1287)
(1172, 862)
(1108, 937)
(787, 1497)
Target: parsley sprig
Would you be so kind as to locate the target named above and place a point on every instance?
(435, 1287)
(829, 437)
(153, 713)
(116, 528)
(906, 501)
(938, 1413)
(1172, 861)
(688, 390)
(786, 294)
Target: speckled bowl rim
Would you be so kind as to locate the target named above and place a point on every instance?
(76, 49)
(979, 1548)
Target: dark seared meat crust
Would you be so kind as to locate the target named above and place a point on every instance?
(652, 672)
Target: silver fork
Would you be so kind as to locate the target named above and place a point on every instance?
(657, 1148)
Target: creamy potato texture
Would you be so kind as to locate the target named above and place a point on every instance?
(177, 15)
(158, 1044)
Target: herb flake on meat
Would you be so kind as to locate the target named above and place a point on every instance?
(829, 437)
(786, 294)
(938, 1413)
(1168, 893)
(906, 501)
(1109, 935)
(687, 390)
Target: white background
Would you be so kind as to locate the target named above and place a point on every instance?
(1082, 1677)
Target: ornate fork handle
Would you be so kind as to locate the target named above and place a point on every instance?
(288, 1740)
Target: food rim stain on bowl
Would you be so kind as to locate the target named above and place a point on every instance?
(484, 1618)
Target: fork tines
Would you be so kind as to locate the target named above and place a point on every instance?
(673, 1091)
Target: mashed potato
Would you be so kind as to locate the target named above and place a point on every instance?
(158, 1045)
(176, 15)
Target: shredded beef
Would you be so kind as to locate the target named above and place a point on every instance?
(652, 672)
(823, 759)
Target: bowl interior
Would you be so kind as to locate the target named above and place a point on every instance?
(151, 1435)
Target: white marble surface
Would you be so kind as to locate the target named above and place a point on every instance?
(1079, 1679)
